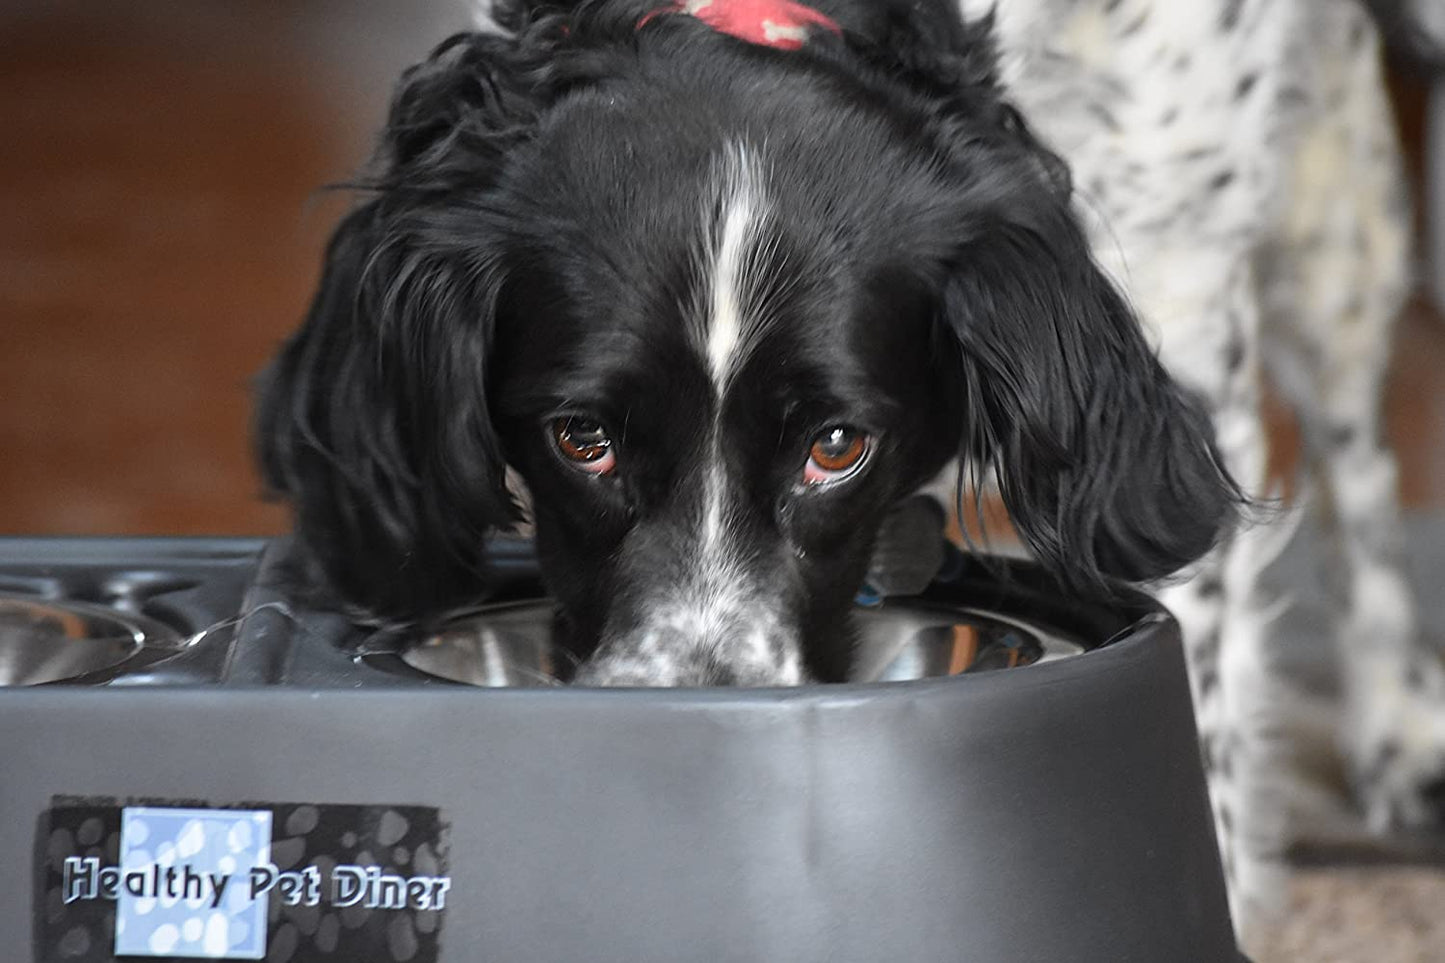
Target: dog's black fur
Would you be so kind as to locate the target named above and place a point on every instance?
(529, 249)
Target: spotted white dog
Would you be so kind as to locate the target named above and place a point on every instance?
(1236, 161)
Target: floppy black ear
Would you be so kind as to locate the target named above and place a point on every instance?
(1107, 466)
(373, 420)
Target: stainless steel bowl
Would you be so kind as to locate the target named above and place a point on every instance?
(897, 641)
(43, 641)
(501, 645)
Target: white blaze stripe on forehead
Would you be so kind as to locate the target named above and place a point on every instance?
(717, 607)
(720, 586)
(734, 239)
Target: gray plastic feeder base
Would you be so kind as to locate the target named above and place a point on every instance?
(1048, 814)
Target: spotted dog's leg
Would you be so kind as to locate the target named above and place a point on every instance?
(1210, 341)
(1333, 283)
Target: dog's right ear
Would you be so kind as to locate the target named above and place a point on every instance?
(373, 421)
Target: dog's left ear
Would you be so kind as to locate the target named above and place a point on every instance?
(1108, 467)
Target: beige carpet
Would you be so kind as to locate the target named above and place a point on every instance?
(1359, 915)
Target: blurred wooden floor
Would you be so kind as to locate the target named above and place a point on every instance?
(160, 235)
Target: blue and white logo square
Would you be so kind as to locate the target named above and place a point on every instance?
(183, 889)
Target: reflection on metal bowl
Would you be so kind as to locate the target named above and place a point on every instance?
(897, 641)
(502, 645)
(904, 640)
(43, 642)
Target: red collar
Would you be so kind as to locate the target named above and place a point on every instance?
(770, 23)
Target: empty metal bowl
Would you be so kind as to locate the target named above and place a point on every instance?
(43, 641)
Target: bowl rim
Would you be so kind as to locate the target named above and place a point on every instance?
(995, 586)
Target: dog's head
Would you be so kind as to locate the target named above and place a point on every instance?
(721, 306)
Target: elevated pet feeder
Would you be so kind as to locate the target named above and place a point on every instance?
(1046, 804)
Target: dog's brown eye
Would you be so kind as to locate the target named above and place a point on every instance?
(836, 453)
(585, 444)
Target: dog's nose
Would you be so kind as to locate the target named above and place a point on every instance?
(672, 669)
(606, 673)
(680, 659)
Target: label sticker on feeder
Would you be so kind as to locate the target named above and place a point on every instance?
(182, 881)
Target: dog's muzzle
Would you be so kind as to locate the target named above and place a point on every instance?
(700, 645)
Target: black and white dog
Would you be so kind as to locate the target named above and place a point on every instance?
(725, 281)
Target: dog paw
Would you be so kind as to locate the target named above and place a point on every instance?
(1398, 752)
(910, 547)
